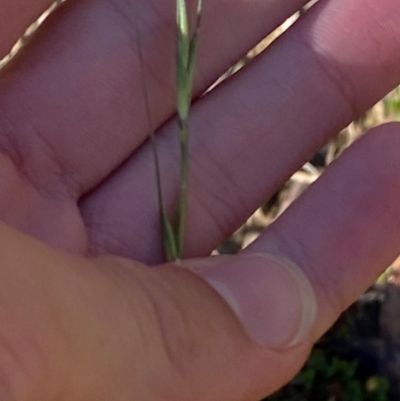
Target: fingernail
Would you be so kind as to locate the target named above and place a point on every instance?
(271, 297)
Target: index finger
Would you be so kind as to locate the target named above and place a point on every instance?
(15, 17)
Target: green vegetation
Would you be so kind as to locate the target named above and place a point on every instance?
(344, 364)
(392, 104)
(327, 377)
(186, 57)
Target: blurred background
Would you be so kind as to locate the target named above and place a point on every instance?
(359, 358)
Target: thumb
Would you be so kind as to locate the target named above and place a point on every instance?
(271, 296)
(252, 316)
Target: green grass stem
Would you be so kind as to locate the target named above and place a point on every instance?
(186, 67)
(186, 57)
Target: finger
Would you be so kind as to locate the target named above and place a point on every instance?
(251, 134)
(345, 230)
(85, 100)
(15, 17)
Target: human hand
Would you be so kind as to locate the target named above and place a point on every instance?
(75, 175)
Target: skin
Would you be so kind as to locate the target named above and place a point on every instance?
(77, 185)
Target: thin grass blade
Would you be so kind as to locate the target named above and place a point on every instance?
(198, 16)
(183, 93)
(183, 30)
(186, 66)
(193, 47)
(169, 239)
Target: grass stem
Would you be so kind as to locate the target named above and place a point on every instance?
(186, 66)
(186, 57)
